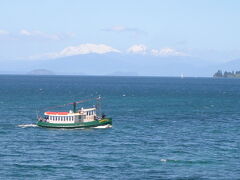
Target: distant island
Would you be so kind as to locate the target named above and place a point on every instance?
(226, 74)
(41, 72)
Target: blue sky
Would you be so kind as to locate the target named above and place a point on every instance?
(206, 29)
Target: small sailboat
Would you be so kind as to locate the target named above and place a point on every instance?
(75, 118)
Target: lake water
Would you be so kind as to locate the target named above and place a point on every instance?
(163, 128)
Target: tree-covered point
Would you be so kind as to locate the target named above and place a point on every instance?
(226, 74)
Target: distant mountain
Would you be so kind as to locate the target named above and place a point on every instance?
(119, 73)
(233, 65)
(118, 64)
(129, 64)
(41, 72)
(229, 66)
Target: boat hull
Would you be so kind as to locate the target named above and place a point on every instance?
(105, 121)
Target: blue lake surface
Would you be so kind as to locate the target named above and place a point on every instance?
(163, 128)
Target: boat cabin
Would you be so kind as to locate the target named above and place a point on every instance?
(82, 115)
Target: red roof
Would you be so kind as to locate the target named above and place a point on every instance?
(56, 113)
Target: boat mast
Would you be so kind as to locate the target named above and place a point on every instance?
(74, 107)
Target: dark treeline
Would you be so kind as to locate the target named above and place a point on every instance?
(226, 74)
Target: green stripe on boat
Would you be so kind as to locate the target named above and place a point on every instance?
(95, 123)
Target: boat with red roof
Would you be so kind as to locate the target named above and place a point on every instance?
(75, 118)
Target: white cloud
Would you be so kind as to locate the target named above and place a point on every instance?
(25, 32)
(167, 52)
(3, 32)
(138, 49)
(77, 50)
(40, 34)
(87, 49)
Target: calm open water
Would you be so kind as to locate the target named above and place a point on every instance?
(163, 128)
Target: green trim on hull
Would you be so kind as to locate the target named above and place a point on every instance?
(95, 123)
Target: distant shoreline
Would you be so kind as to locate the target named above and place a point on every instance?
(157, 76)
(226, 74)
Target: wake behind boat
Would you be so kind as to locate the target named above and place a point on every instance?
(75, 118)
